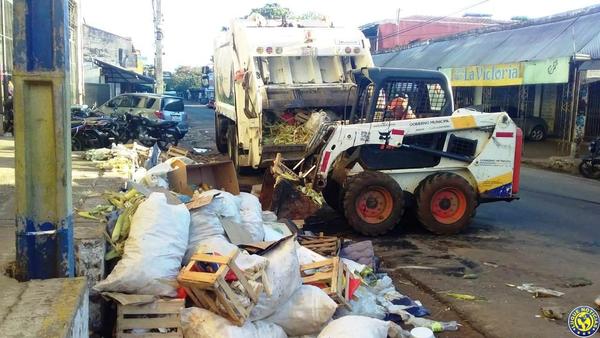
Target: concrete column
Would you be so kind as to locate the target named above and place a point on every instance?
(44, 234)
(478, 96)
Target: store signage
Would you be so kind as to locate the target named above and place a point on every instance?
(488, 75)
(510, 74)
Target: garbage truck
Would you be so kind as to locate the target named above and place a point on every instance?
(276, 74)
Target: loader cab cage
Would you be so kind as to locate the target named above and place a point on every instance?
(388, 94)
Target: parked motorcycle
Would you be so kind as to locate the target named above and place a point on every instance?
(590, 165)
(8, 120)
(92, 133)
(149, 132)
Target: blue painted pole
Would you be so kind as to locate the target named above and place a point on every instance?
(44, 221)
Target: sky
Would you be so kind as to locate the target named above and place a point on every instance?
(190, 26)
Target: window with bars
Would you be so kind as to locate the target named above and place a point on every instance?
(402, 99)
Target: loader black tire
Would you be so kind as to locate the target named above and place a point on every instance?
(373, 203)
(446, 203)
(333, 195)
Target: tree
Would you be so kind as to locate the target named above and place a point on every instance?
(186, 77)
(309, 16)
(519, 18)
(272, 11)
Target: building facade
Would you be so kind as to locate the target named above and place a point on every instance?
(114, 50)
(391, 34)
(543, 68)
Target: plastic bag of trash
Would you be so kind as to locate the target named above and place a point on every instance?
(283, 273)
(356, 326)
(251, 213)
(306, 312)
(154, 250)
(201, 323)
(315, 121)
(307, 256)
(206, 220)
(364, 303)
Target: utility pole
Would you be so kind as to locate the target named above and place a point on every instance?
(44, 213)
(158, 54)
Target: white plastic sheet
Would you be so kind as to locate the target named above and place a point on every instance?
(251, 213)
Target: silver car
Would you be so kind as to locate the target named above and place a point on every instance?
(152, 106)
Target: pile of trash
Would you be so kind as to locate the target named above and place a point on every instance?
(119, 157)
(197, 257)
(294, 128)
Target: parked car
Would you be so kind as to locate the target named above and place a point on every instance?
(152, 106)
(534, 128)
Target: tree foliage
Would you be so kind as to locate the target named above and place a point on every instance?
(186, 77)
(272, 11)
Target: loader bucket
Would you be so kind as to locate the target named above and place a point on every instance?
(282, 193)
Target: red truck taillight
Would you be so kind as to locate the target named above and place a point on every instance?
(517, 164)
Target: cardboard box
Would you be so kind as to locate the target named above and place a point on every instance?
(218, 175)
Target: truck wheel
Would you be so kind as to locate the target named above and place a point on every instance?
(373, 203)
(446, 203)
(221, 134)
(232, 146)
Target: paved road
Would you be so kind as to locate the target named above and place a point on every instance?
(560, 206)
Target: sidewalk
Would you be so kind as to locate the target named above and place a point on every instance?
(551, 154)
(88, 185)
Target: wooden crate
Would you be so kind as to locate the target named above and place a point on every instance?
(323, 245)
(332, 276)
(161, 314)
(211, 291)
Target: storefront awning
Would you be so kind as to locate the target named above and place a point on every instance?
(116, 74)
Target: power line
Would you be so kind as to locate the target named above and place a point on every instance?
(432, 20)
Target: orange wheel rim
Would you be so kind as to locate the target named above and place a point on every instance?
(448, 205)
(374, 205)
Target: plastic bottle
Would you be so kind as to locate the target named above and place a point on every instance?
(435, 326)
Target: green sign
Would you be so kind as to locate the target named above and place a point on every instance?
(547, 71)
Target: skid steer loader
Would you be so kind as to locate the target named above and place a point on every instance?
(403, 146)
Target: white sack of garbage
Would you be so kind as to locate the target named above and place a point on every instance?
(283, 272)
(357, 326)
(201, 323)
(154, 250)
(306, 312)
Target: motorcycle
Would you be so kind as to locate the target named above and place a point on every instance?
(8, 120)
(149, 132)
(92, 133)
(590, 165)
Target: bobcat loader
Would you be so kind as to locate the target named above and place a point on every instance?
(403, 146)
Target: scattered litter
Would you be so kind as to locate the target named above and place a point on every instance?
(417, 267)
(577, 282)
(462, 296)
(538, 291)
(597, 301)
(435, 326)
(492, 264)
(201, 150)
(470, 276)
(553, 312)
